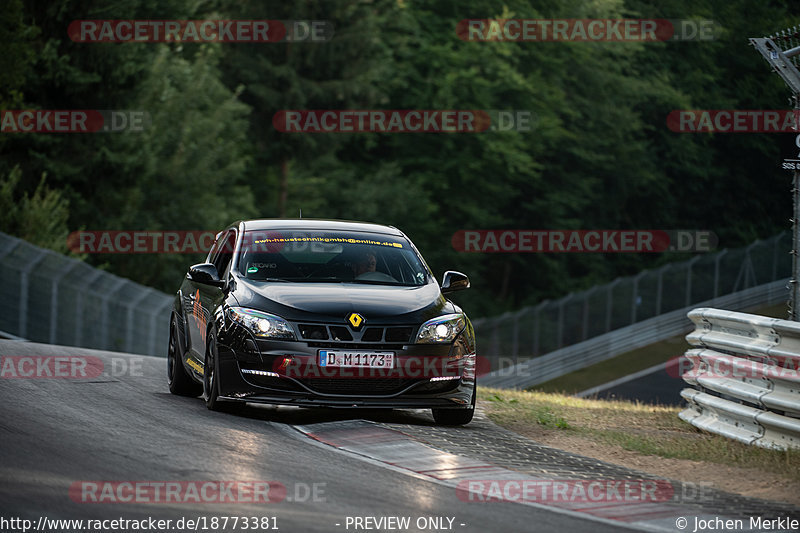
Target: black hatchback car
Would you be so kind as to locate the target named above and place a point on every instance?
(321, 313)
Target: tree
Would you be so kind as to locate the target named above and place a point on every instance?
(40, 218)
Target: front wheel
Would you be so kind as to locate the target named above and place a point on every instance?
(211, 380)
(180, 383)
(456, 417)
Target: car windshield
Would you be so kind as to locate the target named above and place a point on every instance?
(338, 257)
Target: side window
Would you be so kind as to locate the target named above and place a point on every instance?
(212, 255)
(224, 252)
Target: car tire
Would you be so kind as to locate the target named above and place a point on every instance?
(180, 383)
(456, 417)
(211, 380)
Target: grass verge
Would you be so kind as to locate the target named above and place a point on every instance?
(644, 429)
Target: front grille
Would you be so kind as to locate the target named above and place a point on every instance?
(354, 346)
(340, 333)
(359, 387)
(313, 331)
(343, 334)
(398, 334)
(372, 335)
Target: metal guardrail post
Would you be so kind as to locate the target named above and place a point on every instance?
(689, 279)
(746, 271)
(54, 282)
(586, 296)
(106, 311)
(774, 241)
(717, 259)
(515, 337)
(87, 282)
(153, 324)
(129, 319)
(9, 245)
(560, 329)
(635, 300)
(610, 302)
(660, 287)
(495, 349)
(537, 327)
(23, 291)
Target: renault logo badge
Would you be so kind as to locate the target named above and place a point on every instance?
(355, 320)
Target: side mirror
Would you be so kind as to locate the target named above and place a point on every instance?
(454, 281)
(205, 273)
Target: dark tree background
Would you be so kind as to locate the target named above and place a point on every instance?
(600, 154)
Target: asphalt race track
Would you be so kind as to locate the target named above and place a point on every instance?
(124, 426)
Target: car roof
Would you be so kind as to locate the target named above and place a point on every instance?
(319, 224)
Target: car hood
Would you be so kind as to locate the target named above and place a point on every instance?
(333, 301)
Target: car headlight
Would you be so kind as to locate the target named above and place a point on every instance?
(441, 329)
(261, 324)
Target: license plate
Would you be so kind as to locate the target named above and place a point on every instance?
(349, 359)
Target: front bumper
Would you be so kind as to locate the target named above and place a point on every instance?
(287, 373)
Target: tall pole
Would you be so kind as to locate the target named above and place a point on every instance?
(794, 283)
(783, 59)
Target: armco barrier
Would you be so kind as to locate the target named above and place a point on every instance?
(49, 297)
(746, 370)
(555, 364)
(535, 331)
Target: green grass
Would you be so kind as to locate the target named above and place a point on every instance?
(543, 415)
(645, 429)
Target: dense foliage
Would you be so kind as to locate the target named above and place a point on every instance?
(600, 154)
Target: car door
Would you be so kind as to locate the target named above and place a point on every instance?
(203, 299)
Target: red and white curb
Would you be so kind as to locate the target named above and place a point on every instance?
(377, 444)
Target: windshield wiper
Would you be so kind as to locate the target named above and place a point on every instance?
(375, 282)
(303, 280)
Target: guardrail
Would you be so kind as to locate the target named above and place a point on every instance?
(49, 297)
(680, 286)
(746, 370)
(555, 364)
